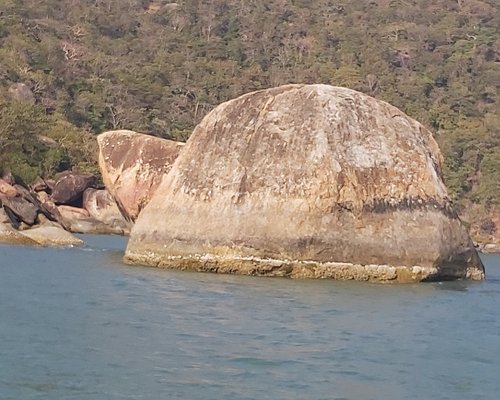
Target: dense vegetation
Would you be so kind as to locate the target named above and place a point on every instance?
(159, 67)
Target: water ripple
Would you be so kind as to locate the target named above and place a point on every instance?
(78, 324)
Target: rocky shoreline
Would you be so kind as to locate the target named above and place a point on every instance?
(484, 227)
(48, 212)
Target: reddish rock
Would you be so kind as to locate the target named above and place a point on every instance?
(133, 165)
(70, 212)
(70, 186)
(7, 189)
(39, 185)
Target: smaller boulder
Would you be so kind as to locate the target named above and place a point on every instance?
(7, 189)
(27, 195)
(9, 235)
(12, 218)
(38, 185)
(100, 205)
(47, 142)
(22, 209)
(92, 226)
(70, 186)
(51, 234)
(70, 213)
(78, 220)
(50, 211)
(50, 185)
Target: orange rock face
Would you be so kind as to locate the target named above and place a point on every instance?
(133, 165)
(307, 181)
(6, 189)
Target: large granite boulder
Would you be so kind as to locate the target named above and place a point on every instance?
(307, 181)
(133, 165)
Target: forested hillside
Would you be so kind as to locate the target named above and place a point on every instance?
(159, 66)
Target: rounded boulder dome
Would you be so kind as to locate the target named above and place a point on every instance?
(307, 181)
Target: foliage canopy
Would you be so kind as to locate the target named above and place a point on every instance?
(158, 66)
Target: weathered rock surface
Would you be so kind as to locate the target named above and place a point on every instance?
(79, 220)
(17, 207)
(102, 207)
(51, 211)
(31, 217)
(70, 212)
(6, 189)
(9, 235)
(133, 165)
(44, 197)
(307, 181)
(70, 186)
(48, 233)
(51, 234)
(21, 209)
(39, 185)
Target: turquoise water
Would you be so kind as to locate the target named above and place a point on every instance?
(78, 324)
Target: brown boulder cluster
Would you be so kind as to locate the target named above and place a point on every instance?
(48, 211)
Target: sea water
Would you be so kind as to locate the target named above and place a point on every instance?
(79, 324)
